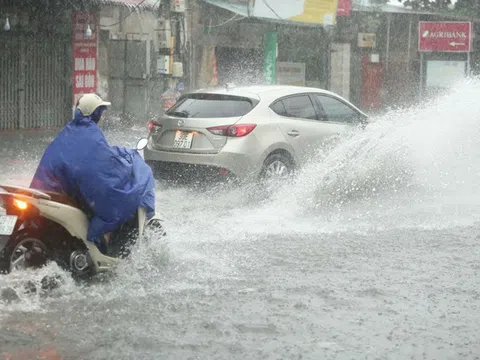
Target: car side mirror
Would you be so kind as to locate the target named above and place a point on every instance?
(142, 143)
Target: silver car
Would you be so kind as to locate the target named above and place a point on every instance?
(251, 132)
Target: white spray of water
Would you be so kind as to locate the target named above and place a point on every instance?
(417, 167)
(33, 290)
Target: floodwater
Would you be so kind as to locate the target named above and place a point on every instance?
(371, 253)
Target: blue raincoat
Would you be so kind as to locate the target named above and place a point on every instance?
(113, 181)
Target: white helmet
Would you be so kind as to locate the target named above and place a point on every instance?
(89, 102)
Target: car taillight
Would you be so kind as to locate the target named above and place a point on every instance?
(152, 124)
(233, 130)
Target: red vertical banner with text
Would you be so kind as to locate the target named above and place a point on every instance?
(344, 7)
(84, 49)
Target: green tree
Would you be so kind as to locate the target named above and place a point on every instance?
(428, 5)
(468, 8)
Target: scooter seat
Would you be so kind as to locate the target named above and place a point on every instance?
(63, 199)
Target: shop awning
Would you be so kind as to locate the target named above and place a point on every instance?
(130, 3)
(241, 7)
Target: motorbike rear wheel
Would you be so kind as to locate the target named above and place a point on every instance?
(25, 251)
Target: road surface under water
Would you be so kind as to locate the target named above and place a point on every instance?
(371, 253)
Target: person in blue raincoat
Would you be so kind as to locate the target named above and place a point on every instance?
(111, 181)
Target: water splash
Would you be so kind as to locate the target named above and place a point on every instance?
(418, 161)
(32, 290)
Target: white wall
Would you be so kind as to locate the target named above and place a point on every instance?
(139, 25)
(340, 70)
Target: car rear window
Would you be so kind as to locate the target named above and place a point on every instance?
(211, 106)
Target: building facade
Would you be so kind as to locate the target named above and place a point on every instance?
(51, 53)
(142, 54)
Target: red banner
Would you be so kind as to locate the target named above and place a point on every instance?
(84, 54)
(344, 7)
(447, 36)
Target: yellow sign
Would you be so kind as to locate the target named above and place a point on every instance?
(307, 11)
(367, 40)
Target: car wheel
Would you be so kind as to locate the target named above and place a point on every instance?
(276, 168)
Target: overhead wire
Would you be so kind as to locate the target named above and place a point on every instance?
(226, 22)
(268, 5)
(130, 13)
(73, 5)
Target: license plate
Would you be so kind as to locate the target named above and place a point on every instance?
(7, 224)
(183, 140)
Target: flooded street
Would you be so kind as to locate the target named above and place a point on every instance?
(371, 253)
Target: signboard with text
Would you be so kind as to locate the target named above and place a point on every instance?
(291, 73)
(367, 40)
(446, 36)
(84, 51)
(304, 11)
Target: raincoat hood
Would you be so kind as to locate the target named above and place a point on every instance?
(112, 181)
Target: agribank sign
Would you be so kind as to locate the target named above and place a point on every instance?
(306, 11)
(448, 36)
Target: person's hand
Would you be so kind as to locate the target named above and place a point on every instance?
(107, 237)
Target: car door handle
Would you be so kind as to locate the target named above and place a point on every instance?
(293, 133)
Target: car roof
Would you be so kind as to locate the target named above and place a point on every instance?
(260, 90)
(269, 93)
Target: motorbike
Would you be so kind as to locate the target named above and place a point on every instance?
(41, 226)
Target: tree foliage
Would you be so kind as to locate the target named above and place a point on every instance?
(428, 5)
(468, 8)
(460, 7)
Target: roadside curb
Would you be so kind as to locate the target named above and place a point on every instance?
(6, 132)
